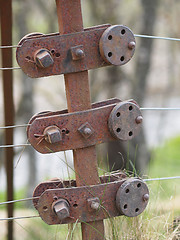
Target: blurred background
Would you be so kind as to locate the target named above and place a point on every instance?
(151, 78)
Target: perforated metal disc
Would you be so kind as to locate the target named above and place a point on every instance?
(117, 45)
(125, 121)
(132, 197)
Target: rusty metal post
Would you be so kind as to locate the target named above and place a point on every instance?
(6, 39)
(78, 99)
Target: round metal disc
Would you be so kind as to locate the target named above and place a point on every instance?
(117, 45)
(132, 197)
(125, 121)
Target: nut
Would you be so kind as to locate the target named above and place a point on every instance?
(139, 119)
(86, 130)
(61, 209)
(132, 45)
(52, 134)
(93, 204)
(77, 52)
(43, 58)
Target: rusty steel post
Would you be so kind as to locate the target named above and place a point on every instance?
(78, 99)
(6, 39)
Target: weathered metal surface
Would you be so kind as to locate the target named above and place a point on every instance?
(64, 53)
(61, 208)
(78, 99)
(117, 45)
(80, 199)
(83, 129)
(125, 120)
(7, 77)
(132, 197)
(57, 183)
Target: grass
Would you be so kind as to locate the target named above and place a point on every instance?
(156, 222)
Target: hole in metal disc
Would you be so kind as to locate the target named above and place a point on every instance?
(118, 130)
(125, 206)
(130, 108)
(130, 133)
(110, 37)
(122, 58)
(137, 210)
(52, 51)
(109, 54)
(139, 185)
(118, 114)
(127, 190)
(123, 31)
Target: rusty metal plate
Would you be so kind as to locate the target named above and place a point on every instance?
(57, 183)
(75, 130)
(132, 197)
(125, 120)
(66, 53)
(117, 45)
(78, 199)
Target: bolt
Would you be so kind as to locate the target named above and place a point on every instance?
(146, 197)
(61, 209)
(43, 58)
(87, 131)
(139, 119)
(131, 45)
(95, 205)
(79, 53)
(52, 134)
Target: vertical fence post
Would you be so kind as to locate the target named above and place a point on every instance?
(78, 99)
(6, 39)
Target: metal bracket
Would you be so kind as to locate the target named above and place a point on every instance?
(113, 197)
(56, 132)
(53, 54)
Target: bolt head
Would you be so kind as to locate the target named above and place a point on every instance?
(61, 209)
(131, 45)
(79, 53)
(95, 205)
(43, 58)
(146, 197)
(52, 134)
(87, 131)
(139, 119)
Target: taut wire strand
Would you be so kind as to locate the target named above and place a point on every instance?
(15, 145)
(10, 68)
(15, 126)
(159, 109)
(13, 46)
(16, 218)
(19, 200)
(161, 179)
(157, 37)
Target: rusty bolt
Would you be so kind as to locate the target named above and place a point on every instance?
(139, 119)
(79, 53)
(61, 209)
(146, 197)
(87, 131)
(43, 58)
(131, 45)
(52, 134)
(93, 204)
